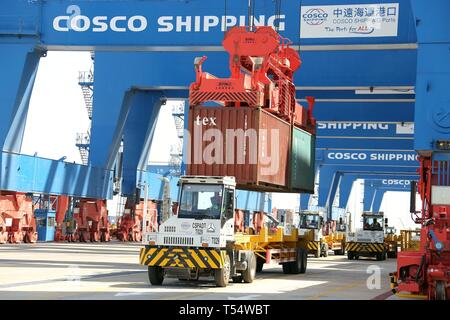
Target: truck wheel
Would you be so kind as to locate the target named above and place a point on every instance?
(325, 250)
(286, 267)
(259, 264)
(440, 290)
(350, 255)
(156, 275)
(379, 256)
(304, 255)
(296, 265)
(249, 274)
(317, 254)
(222, 276)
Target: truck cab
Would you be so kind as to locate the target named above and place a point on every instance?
(205, 216)
(368, 241)
(310, 230)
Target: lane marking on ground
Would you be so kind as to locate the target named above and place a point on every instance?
(249, 297)
(336, 289)
(50, 281)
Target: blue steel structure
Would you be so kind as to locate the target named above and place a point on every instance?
(152, 61)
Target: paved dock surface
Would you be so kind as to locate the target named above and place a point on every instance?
(92, 271)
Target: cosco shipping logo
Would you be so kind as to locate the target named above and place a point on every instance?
(315, 16)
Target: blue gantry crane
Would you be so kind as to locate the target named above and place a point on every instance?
(366, 81)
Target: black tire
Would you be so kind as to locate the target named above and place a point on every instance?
(286, 267)
(304, 263)
(222, 276)
(392, 255)
(325, 250)
(317, 253)
(249, 274)
(296, 266)
(350, 255)
(379, 256)
(440, 290)
(237, 279)
(156, 275)
(337, 252)
(259, 264)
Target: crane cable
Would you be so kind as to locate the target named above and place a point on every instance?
(251, 14)
(277, 15)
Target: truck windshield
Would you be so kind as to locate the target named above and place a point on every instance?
(309, 221)
(373, 223)
(201, 201)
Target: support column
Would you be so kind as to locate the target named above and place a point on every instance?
(379, 194)
(345, 189)
(328, 185)
(137, 137)
(369, 194)
(18, 65)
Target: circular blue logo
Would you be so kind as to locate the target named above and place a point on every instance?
(441, 115)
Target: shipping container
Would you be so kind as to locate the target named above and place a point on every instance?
(248, 143)
(302, 160)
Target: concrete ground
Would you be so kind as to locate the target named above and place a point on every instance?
(111, 271)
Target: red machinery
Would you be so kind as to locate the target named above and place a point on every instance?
(17, 223)
(262, 66)
(62, 205)
(91, 218)
(427, 271)
(130, 223)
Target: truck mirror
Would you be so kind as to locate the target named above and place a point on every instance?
(386, 221)
(412, 203)
(340, 221)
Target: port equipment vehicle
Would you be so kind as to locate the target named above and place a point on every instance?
(206, 238)
(17, 222)
(319, 237)
(426, 272)
(91, 216)
(130, 224)
(368, 241)
(409, 240)
(392, 241)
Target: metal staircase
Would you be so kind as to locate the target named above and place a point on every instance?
(86, 82)
(82, 142)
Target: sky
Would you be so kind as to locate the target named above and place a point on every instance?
(57, 113)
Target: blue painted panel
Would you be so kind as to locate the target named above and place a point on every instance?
(20, 17)
(365, 143)
(360, 68)
(357, 111)
(18, 65)
(362, 129)
(369, 158)
(433, 25)
(137, 134)
(252, 201)
(433, 101)
(156, 183)
(33, 174)
(155, 32)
